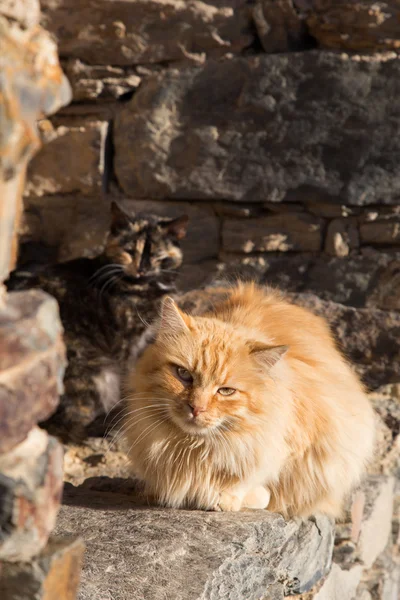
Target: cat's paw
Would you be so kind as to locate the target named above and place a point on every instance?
(228, 503)
(257, 498)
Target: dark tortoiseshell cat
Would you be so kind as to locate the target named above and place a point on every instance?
(105, 303)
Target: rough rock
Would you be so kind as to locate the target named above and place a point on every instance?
(97, 457)
(32, 361)
(386, 402)
(361, 25)
(279, 26)
(25, 12)
(369, 337)
(31, 483)
(32, 84)
(53, 575)
(366, 279)
(72, 160)
(81, 231)
(382, 581)
(386, 292)
(341, 584)
(382, 232)
(147, 31)
(98, 82)
(341, 237)
(367, 530)
(266, 128)
(279, 232)
(188, 555)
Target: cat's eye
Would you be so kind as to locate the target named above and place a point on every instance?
(184, 375)
(226, 391)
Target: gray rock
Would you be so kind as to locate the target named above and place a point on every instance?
(266, 128)
(142, 552)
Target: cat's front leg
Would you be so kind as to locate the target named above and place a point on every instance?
(240, 496)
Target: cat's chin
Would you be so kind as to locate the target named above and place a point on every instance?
(193, 428)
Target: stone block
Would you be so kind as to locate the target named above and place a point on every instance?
(98, 82)
(53, 575)
(341, 237)
(360, 25)
(279, 26)
(32, 361)
(31, 483)
(267, 128)
(190, 554)
(367, 530)
(280, 232)
(71, 161)
(381, 233)
(147, 31)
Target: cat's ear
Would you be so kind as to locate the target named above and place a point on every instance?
(119, 219)
(177, 227)
(267, 356)
(172, 319)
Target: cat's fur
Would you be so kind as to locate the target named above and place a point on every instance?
(104, 305)
(295, 438)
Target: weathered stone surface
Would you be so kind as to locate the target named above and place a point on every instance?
(278, 24)
(355, 24)
(32, 360)
(267, 128)
(26, 12)
(341, 237)
(147, 31)
(94, 82)
(188, 555)
(382, 581)
(31, 84)
(384, 232)
(81, 231)
(283, 232)
(367, 531)
(53, 575)
(340, 584)
(386, 402)
(369, 337)
(72, 160)
(31, 482)
(357, 280)
(386, 292)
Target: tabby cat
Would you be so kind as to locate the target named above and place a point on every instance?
(104, 303)
(248, 405)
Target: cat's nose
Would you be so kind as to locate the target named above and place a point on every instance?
(196, 410)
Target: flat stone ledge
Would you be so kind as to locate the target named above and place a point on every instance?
(138, 551)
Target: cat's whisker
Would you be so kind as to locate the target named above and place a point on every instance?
(151, 427)
(147, 410)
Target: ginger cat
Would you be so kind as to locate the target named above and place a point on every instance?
(250, 405)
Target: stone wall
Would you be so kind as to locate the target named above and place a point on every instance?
(273, 124)
(32, 354)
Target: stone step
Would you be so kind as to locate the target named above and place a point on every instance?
(143, 552)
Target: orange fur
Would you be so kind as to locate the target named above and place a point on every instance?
(295, 435)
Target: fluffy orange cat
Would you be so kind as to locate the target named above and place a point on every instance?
(250, 405)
